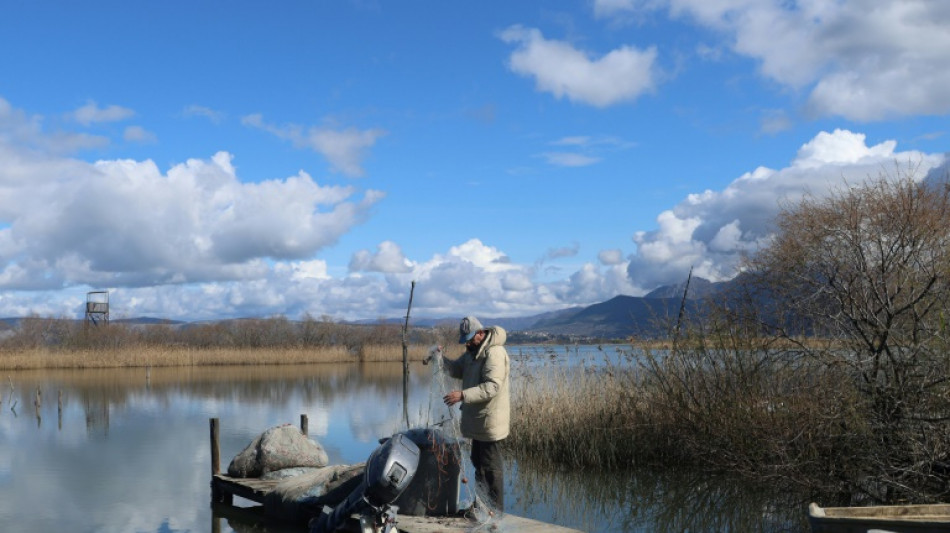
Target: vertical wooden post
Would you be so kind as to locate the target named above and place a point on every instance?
(215, 448)
(304, 424)
(405, 358)
(216, 494)
(60, 409)
(38, 402)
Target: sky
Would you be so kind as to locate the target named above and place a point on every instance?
(210, 160)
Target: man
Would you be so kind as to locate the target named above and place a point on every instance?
(483, 369)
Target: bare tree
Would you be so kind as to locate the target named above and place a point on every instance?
(869, 269)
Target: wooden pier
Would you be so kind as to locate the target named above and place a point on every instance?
(224, 488)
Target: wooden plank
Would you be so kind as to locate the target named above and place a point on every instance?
(256, 490)
(253, 489)
(508, 523)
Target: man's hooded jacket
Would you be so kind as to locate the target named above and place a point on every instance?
(485, 402)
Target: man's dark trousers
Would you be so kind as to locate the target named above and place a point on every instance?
(489, 462)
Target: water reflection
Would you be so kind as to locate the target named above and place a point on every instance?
(129, 451)
(655, 501)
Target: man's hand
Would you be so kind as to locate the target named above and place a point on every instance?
(434, 351)
(452, 398)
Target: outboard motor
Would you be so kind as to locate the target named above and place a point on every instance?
(389, 470)
(435, 489)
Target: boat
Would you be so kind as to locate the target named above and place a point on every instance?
(880, 519)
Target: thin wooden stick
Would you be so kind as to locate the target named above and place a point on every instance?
(405, 358)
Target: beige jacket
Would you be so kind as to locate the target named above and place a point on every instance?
(486, 409)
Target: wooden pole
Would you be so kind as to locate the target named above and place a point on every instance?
(215, 448)
(304, 424)
(217, 495)
(405, 358)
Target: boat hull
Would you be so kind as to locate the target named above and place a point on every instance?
(883, 519)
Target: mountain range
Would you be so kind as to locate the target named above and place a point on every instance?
(620, 317)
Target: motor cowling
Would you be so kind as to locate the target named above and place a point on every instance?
(389, 470)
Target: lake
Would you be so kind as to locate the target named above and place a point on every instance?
(129, 449)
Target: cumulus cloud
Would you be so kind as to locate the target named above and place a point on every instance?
(138, 134)
(125, 223)
(22, 130)
(710, 231)
(194, 242)
(611, 257)
(621, 75)
(857, 59)
(91, 113)
(344, 149)
(387, 259)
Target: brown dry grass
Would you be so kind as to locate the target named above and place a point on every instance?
(155, 356)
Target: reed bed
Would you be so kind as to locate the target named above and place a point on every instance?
(164, 356)
(576, 416)
(710, 405)
(382, 353)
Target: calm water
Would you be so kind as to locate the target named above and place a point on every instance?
(129, 451)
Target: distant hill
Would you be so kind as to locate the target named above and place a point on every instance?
(148, 321)
(620, 317)
(617, 318)
(698, 288)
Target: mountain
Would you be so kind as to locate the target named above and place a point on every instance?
(620, 317)
(698, 288)
(617, 318)
(623, 317)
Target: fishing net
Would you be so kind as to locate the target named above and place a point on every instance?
(474, 502)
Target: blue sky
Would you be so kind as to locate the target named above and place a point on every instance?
(206, 160)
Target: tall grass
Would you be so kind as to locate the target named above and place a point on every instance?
(58, 343)
(724, 399)
(575, 416)
(158, 356)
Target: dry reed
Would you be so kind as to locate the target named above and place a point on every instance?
(161, 356)
(381, 353)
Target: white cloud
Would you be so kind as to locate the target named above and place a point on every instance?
(138, 134)
(569, 159)
(91, 113)
(611, 257)
(344, 149)
(471, 277)
(860, 59)
(710, 231)
(621, 75)
(584, 148)
(387, 259)
(564, 251)
(215, 117)
(609, 8)
(21, 130)
(123, 223)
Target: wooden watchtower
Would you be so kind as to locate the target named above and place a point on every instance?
(97, 307)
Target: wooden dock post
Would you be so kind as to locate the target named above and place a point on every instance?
(304, 425)
(216, 494)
